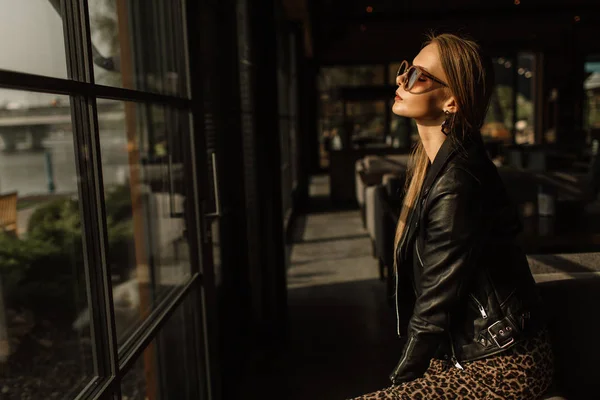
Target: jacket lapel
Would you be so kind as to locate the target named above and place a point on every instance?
(441, 159)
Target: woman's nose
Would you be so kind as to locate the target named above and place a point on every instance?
(399, 80)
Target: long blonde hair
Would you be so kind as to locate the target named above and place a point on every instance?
(470, 81)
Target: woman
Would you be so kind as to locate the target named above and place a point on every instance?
(476, 329)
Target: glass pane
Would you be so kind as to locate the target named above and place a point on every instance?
(142, 164)
(392, 71)
(45, 344)
(591, 87)
(525, 127)
(362, 75)
(365, 122)
(139, 45)
(401, 130)
(499, 120)
(32, 37)
(167, 368)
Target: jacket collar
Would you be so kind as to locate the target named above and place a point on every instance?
(442, 157)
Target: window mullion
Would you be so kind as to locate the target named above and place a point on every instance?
(91, 194)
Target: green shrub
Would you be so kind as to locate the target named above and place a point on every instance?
(118, 203)
(45, 269)
(35, 274)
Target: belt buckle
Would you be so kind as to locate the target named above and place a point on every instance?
(493, 336)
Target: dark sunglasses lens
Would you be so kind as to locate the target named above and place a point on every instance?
(411, 78)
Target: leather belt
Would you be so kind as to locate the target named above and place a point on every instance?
(503, 332)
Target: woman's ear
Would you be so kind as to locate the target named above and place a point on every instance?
(450, 105)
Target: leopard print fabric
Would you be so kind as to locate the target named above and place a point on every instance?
(524, 372)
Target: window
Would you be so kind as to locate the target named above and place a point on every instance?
(42, 273)
(97, 203)
(142, 165)
(32, 37)
(591, 88)
(363, 75)
(136, 45)
(365, 120)
(162, 370)
(525, 107)
(499, 119)
(512, 105)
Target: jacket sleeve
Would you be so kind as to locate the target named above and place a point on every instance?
(453, 222)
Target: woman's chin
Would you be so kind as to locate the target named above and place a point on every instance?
(400, 110)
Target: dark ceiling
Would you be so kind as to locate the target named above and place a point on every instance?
(349, 31)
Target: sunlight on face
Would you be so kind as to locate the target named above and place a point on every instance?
(427, 105)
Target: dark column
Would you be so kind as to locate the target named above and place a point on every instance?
(311, 101)
(307, 140)
(268, 162)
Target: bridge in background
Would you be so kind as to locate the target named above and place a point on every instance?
(33, 125)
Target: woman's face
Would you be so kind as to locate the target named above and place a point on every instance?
(429, 105)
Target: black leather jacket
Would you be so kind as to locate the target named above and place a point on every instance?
(474, 292)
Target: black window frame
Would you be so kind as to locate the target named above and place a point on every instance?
(110, 366)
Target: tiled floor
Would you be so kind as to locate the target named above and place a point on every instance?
(342, 341)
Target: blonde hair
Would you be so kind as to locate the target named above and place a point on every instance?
(470, 81)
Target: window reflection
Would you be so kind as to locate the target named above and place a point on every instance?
(512, 76)
(36, 43)
(591, 87)
(42, 284)
(525, 126)
(392, 71)
(499, 120)
(139, 45)
(365, 122)
(166, 368)
(359, 75)
(142, 164)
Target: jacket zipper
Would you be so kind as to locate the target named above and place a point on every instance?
(454, 359)
(409, 347)
(396, 302)
(400, 245)
(418, 254)
(479, 306)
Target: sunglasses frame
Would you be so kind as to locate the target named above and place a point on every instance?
(420, 70)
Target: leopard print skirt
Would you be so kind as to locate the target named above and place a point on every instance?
(524, 372)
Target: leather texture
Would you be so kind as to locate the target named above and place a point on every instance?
(474, 295)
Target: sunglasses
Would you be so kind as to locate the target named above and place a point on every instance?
(415, 79)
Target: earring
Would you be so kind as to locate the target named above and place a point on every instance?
(447, 125)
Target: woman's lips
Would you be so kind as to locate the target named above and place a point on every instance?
(397, 97)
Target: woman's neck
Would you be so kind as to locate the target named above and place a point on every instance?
(432, 138)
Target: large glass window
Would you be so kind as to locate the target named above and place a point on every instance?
(392, 71)
(365, 121)
(512, 106)
(591, 86)
(142, 164)
(44, 347)
(162, 371)
(96, 212)
(359, 75)
(525, 125)
(499, 120)
(139, 45)
(32, 37)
